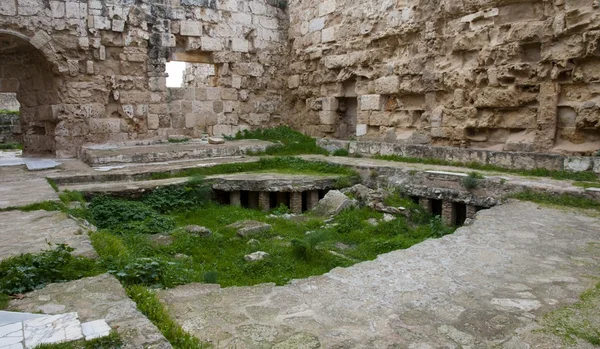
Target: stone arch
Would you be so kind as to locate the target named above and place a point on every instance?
(26, 71)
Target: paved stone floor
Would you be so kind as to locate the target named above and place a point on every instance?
(30, 232)
(99, 297)
(483, 287)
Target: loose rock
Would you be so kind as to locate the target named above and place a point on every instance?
(198, 230)
(215, 140)
(248, 227)
(333, 203)
(256, 256)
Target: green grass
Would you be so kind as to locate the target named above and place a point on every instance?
(11, 146)
(150, 306)
(4, 301)
(558, 199)
(580, 321)
(538, 172)
(9, 112)
(275, 164)
(178, 140)
(587, 184)
(112, 341)
(53, 184)
(67, 197)
(291, 142)
(43, 205)
(340, 152)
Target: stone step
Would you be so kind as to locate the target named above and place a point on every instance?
(98, 155)
(27, 330)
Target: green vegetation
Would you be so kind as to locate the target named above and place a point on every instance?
(28, 272)
(3, 301)
(10, 146)
(472, 180)
(291, 142)
(9, 112)
(43, 205)
(284, 164)
(580, 321)
(112, 341)
(587, 184)
(340, 152)
(149, 305)
(538, 172)
(53, 184)
(558, 199)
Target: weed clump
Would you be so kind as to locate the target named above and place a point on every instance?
(112, 341)
(472, 180)
(340, 152)
(306, 248)
(128, 216)
(291, 142)
(29, 272)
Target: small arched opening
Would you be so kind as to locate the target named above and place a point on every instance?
(25, 71)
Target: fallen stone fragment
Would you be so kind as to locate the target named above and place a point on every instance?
(215, 140)
(373, 221)
(162, 239)
(333, 203)
(256, 256)
(388, 217)
(198, 230)
(248, 228)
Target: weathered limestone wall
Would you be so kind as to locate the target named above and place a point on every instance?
(495, 74)
(94, 71)
(8, 101)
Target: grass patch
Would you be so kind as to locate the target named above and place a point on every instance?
(9, 112)
(112, 341)
(276, 164)
(150, 306)
(558, 199)
(587, 184)
(580, 321)
(11, 146)
(4, 298)
(291, 142)
(53, 184)
(178, 140)
(538, 172)
(67, 197)
(340, 152)
(29, 272)
(43, 205)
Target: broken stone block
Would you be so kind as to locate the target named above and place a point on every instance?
(198, 231)
(191, 28)
(333, 203)
(216, 140)
(294, 81)
(249, 228)
(387, 85)
(256, 256)
(371, 102)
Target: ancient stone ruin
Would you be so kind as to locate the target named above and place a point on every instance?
(498, 75)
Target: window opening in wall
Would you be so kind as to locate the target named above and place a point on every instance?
(184, 74)
(436, 207)
(10, 123)
(349, 106)
(460, 212)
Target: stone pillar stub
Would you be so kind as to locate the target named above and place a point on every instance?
(312, 199)
(235, 198)
(264, 201)
(296, 202)
(448, 213)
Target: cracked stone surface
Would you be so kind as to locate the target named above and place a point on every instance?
(30, 232)
(484, 286)
(99, 297)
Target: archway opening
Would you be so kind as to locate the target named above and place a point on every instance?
(25, 72)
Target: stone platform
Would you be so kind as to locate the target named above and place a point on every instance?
(486, 286)
(107, 154)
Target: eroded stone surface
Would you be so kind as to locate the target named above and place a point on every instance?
(31, 232)
(25, 192)
(99, 297)
(483, 286)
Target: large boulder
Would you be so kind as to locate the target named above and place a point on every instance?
(248, 228)
(333, 203)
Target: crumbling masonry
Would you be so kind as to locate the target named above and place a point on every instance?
(495, 74)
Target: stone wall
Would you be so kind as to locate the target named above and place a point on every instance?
(10, 128)
(8, 101)
(494, 74)
(94, 71)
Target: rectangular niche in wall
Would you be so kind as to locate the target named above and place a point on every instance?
(184, 74)
(347, 126)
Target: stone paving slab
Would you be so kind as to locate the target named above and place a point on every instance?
(30, 232)
(99, 297)
(482, 287)
(26, 192)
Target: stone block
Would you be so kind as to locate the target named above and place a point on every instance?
(118, 25)
(333, 203)
(240, 45)
(361, 130)
(316, 24)
(328, 34)
(387, 85)
(294, 81)
(190, 28)
(328, 117)
(57, 9)
(326, 7)
(209, 44)
(105, 126)
(8, 7)
(371, 102)
(229, 94)
(153, 121)
(329, 103)
(578, 163)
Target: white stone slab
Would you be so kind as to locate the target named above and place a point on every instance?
(448, 173)
(40, 164)
(10, 317)
(52, 329)
(593, 189)
(11, 330)
(95, 329)
(13, 346)
(11, 162)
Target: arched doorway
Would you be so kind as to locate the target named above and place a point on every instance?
(25, 71)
